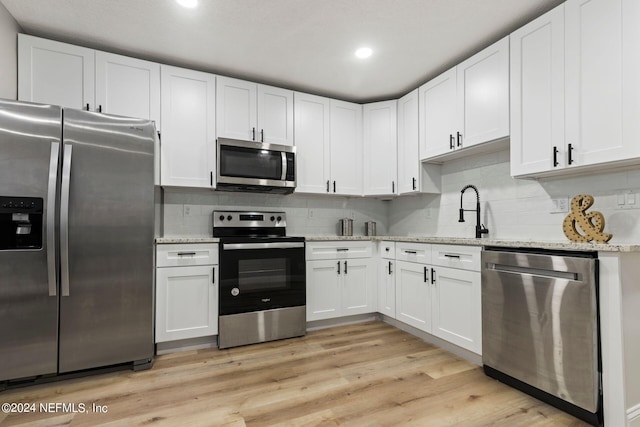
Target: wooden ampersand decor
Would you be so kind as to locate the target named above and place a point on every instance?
(591, 223)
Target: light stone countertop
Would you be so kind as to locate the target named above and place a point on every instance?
(168, 240)
(567, 246)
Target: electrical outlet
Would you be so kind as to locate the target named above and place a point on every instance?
(190, 210)
(352, 215)
(428, 213)
(560, 205)
(311, 213)
(627, 199)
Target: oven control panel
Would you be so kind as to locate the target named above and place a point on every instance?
(242, 219)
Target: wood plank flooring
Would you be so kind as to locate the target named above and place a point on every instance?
(368, 374)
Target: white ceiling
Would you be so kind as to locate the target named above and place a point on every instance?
(306, 45)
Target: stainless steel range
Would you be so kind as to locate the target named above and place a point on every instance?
(262, 278)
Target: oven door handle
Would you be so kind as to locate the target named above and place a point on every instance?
(270, 245)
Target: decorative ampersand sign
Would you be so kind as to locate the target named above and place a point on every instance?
(591, 223)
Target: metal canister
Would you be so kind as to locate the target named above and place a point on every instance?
(370, 228)
(346, 227)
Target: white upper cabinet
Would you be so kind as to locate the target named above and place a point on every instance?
(483, 95)
(438, 115)
(467, 105)
(312, 135)
(346, 148)
(188, 128)
(76, 77)
(575, 85)
(275, 115)
(537, 94)
(380, 148)
(249, 111)
(408, 144)
(56, 73)
(128, 86)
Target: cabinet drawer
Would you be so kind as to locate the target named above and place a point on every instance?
(455, 256)
(413, 252)
(338, 250)
(387, 250)
(176, 255)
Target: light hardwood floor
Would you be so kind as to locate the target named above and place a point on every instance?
(368, 374)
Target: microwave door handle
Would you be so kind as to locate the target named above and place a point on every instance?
(283, 156)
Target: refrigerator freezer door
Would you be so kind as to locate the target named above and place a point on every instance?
(107, 317)
(29, 138)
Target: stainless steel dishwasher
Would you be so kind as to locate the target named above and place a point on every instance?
(540, 330)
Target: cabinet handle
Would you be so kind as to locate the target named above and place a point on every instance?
(425, 275)
(211, 178)
(342, 249)
(87, 107)
(390, 268)
(409, 252)
(451, 141)
(253, 134)
(393, 187)
(334, 186)
(570, 154)
(459, 137)
(345, 267)
(452, 256)
(433, 279)
(338, 267)
(414, 182)
(555, 156)
(99, 108)
(186, 253)
(327, 186)
(261, 135)
(213, 277)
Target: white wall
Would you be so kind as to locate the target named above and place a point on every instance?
(9, 53)
(188, 212)
(513, 208)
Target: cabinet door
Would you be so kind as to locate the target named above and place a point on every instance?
(594, 87)
(408, 144)
(323, 289)
(188, 128)
(358, 286)
(413, 295)
(380, 148)
(483, 95)
(275, 115)
(387, 287)
(56, 73)
(456, 307)
(438, 112)
(537, 94)
(312, 136)
(128, 86)
(236, 109)
(186, 302)
(346, 148)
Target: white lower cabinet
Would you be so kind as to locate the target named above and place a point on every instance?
(186, 291)
(413, 295)
(339, 283)
(456, 307)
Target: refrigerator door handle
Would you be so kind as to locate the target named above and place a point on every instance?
(51, 218)
(64, 220)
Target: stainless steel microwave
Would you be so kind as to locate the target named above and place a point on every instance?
(255, 166)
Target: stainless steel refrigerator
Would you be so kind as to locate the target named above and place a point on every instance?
(76, 240)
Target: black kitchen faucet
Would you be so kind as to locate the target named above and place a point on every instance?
(480, 228)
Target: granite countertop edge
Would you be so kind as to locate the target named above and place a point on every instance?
(568, 246)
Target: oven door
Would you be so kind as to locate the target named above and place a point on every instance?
(262, 274)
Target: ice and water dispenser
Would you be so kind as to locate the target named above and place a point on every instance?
(21, 223)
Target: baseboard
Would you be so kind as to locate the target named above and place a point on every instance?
(187, 345)
(341, 321)
(633, 416)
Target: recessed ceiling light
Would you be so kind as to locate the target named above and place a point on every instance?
(364, 52)
(188, 3)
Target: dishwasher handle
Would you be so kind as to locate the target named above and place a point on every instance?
(538, 272)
